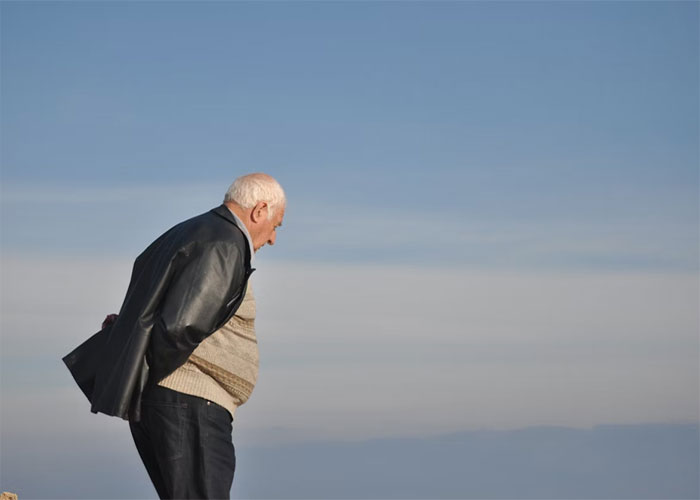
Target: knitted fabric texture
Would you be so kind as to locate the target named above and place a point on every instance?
(224, 367)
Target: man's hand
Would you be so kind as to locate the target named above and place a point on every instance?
(111, 318)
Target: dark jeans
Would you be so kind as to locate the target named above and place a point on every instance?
(185, 444)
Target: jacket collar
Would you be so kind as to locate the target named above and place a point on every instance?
(223, 211)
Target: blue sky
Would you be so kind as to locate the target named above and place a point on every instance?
(513, 114)
(500, 198)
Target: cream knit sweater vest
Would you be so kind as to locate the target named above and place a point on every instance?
(224, 367)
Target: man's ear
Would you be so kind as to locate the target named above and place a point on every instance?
(259, 211)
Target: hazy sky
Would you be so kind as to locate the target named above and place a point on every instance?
(492, 219)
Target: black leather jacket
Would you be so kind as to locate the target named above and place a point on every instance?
(183, 287)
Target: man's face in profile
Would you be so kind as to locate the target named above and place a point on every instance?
(266, 232)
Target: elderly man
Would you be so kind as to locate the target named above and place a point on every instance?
(181, 355)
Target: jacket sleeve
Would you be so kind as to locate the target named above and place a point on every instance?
(199, 298)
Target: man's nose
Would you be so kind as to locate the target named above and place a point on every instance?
(271, 241)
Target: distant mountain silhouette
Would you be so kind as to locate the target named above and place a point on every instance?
(611, 462)
(640, 461)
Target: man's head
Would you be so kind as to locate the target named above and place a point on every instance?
(259, 201)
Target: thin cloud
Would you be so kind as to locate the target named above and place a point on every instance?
(39, 219)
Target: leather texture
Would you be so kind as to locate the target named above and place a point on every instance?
(183, 287)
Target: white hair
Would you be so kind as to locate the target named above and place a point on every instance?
(250, 189)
